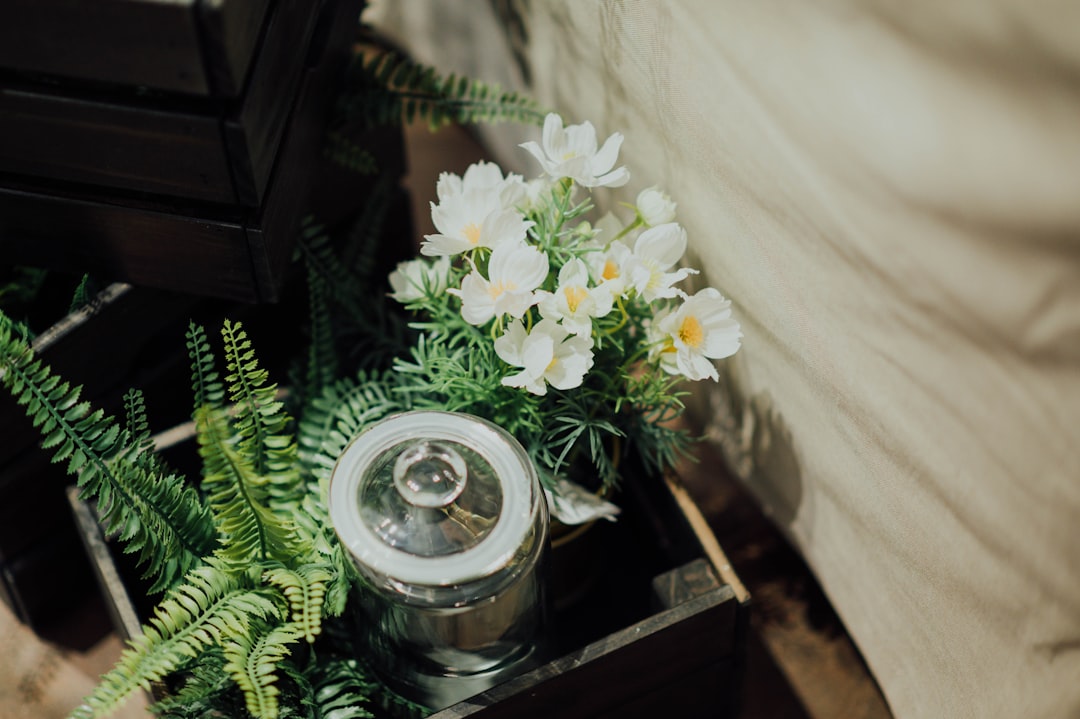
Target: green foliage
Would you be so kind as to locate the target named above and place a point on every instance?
(213, 605)
(387, 89)
(305, 590)
(244, 453)
(252, 659)
(351, 326)
(238, 603)
(340, 412)
(343, 150)
(156, 515)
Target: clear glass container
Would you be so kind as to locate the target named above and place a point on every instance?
(446, 522)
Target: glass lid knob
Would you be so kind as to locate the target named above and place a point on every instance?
(430, 474)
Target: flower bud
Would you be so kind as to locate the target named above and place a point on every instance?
(655, 207)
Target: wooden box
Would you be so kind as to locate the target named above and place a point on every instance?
(165, 144)
(660, 632)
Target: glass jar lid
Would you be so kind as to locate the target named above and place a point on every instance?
(433, 498)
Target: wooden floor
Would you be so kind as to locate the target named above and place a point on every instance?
(801, 663)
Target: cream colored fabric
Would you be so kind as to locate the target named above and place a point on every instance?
(890, 193)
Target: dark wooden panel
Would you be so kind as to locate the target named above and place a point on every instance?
(272, 235)
(145, 43)
(254, 132)
(639, 661)
(231, 32)
(116, 243)
(53, 136)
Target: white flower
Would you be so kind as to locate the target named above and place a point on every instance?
(611, 267)
(416, 279)
(656, 251)
(515, 270)
(547, 355)
(481, 176)
(573, 302)
(655, 207)
(571, 152)
(477, 210)
(701, 329)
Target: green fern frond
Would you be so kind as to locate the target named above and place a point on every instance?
(342, 580)
(84, 293)
(252, 660)
(344, 151)
(206, 384)
(342, 689)
(249, 529)
(137, 425)
(305, 589)
(157, 516)
(204, 690)
(322, 356)
(389, 89)
(20, 285)
(339, 414)
(212, 605)
(260, 419)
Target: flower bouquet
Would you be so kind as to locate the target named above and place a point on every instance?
(569, 330)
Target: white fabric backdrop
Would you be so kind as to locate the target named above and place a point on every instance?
(890, 194)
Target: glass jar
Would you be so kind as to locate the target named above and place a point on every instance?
(446, 522)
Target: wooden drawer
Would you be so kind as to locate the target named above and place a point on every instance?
(196, 47)
(200, 194)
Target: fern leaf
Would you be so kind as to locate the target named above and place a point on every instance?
(339, 414)
(205, 381)
(212, 606)
(249, 529)
(157, 514)
(389, 88)
(322, 356)
(252, 659)
(260, 421)
(344, 151)
(305, 589)
(343, 690)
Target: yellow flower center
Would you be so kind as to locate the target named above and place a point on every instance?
(691, 332)
(471, 232)
(497, 288)
(611, 270)
(574, 297)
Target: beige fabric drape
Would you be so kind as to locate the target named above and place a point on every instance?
(890, 193)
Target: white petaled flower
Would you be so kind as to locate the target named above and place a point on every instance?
(655, 207)
(700, 330)
(611, 267)
(571, 152)
(657, 250)
(574, 302)
(478, 210)
(547, 355)
(416, 279)
(515, 270)
(481, 176)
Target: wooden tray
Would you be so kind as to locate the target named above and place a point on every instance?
(661, 631)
